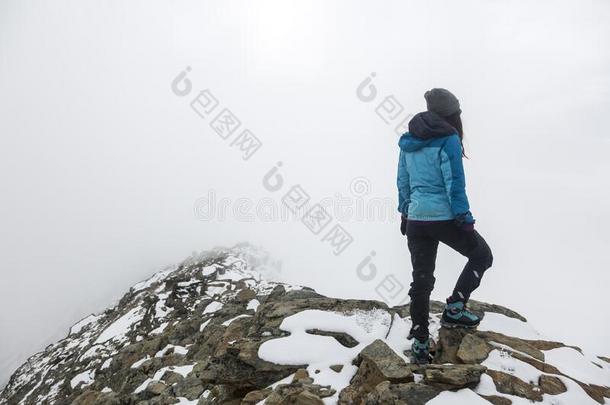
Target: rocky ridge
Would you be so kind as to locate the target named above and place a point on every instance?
(212, 330)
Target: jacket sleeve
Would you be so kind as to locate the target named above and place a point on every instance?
(453, 176)
(404, 187)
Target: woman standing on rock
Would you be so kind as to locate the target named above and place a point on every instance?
(434, 207)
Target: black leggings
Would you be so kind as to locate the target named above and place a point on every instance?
(423, 239)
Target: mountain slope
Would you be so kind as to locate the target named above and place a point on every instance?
(212, 330)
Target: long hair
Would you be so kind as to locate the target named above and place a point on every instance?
(455, 120)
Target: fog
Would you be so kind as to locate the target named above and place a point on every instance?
(108, 173)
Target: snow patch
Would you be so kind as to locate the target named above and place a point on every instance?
(508, 326)
(461, 397)
(157, 277)
(253, 304)
(577, 365)
(119, 328)
(176, 350)
(212, 307)
(228, 322)
(86, 378)
(80, 325)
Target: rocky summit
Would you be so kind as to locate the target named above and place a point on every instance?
(212, 330)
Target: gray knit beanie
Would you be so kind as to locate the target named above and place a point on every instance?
(442, 102)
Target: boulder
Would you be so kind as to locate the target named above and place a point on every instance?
(551, 385)
(254, 397)
(190, 388)
(156, 387)
(517, 344)
(376, 363)
(449, 341)
(497, 400)
(380, 361)
(472, 349)
(401, 394)
(452, 376)
(509, 384)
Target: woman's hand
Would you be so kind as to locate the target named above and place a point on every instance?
(403, 225)
(465, 222)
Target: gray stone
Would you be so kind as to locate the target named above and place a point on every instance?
(509, 384)
(472, 349)
(453, 376)
(551, 385)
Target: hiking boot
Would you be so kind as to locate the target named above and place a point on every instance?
(420, 351)
(456, 315)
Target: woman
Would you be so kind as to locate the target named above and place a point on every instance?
(434, 207)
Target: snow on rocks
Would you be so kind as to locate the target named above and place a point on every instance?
(508, 326)
(212, 307)
(86, 378)
(172, 349)
(215, 330)
(577, 365)
(230, 321)
(83, 323)
(140, 362)
(253, 304)
(119, 328)
(156, 278)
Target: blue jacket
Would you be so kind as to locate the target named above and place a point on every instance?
(431, 183)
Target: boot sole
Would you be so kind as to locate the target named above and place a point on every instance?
(456, 325)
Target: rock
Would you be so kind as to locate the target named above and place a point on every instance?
(87, 398)
(156, 387)
(221, 394)
(245, 295)
(302, 376)
(549, 345)
(606, 359)
(377, 363)
(473, 349)
(401, 394)
(551, 385)
(172, 378)
(190, 388)
(449, 341)
(285, 394)
(337, 367)
(173, 308)
(480, 308)
(452, 376)
(384, 363)
(509, 384)
(515, 343)
(254, 397)
(595, 391)
(305, 398)
(341, 337)
(496, 399)
(545, 368)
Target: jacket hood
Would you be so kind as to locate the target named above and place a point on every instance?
(423, 129)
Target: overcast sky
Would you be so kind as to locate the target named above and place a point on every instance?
(107, 175)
